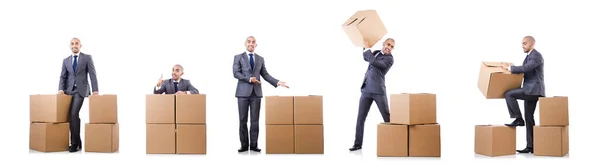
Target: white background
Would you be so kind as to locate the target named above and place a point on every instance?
(439, 47)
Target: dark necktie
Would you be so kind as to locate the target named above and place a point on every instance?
(74, 63)
(176, 86)
(252, 61)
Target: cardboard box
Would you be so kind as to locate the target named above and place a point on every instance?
(160, 109)
(495, 81)
(101, 137)
(49, 108)
(495, 140)
(413, 108)
(279, 110)
(364, 24)
(309, 139)
(280, 139)
(191, 139)
(392, 140)
(160, 139)
(49, 137)
(308, 110)
(103, 109)
(554, 111)
(190, 109)
(424, 140)
(550, 140)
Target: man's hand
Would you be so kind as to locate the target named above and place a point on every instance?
(505, 66)
(95, 93)
(61, 92)
(253, 80)
(366, 43)
(160, 81)
(181, 93)
(282, 83)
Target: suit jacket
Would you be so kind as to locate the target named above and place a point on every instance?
(242, 71)
(168, 87)
(374, 81)
(69, 77)
(533, 68)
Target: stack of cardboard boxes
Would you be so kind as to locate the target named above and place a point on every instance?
(48, 128)
(176, 124)
(551, 137)
(413, 129)
(496, 140)
(102, 131)
(294, 124)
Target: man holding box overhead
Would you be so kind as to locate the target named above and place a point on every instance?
(247, 69)
(373, 86)
(533, 88)
(175, 85)
(74, 82)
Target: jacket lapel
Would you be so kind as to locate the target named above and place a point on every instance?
(257, 63)
(70, 64)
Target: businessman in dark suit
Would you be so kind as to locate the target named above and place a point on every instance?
(74, 82)
(533, 88)
(247, 69)
(373, 87)
(175, 85)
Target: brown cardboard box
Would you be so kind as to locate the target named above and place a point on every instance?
(160, 109)
(413, 108)
(424, 140)
(308, 110)
(550, 140)
(52, 108)
(160, 139)
(280, 139)
(279, 110)
(364, 24)
(103, 109)
(101, 137)
(392, 140)
(49, 137)
(191, 139)
(309, 139)
(495, 81)
(495, 140)
(554, 111)
(190, 109)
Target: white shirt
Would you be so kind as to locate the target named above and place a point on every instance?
(158, 87)
(73, 57)
(253, 56)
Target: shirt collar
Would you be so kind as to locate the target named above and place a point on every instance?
(248, 53)
(78, 54)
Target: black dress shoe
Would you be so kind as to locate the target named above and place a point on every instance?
(74, 148)
(256, 149)
(355, 148)
(517, 122)
(526, 150)
(243, 149)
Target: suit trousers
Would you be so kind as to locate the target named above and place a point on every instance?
(364, 105)
(511, 97)
(73, 119)
(253, 104)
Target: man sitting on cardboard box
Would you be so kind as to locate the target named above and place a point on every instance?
(373, 86)
(175, 85)
(533, 88)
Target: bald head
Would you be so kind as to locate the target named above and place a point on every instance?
(528, 43)
(75, 45)
(250, 44)
(388, 46)
(177, 72)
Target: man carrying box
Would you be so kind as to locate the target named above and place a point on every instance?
(74, 82)
(533, 88)
(373, 86)
(175, 85)
(247, 69)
